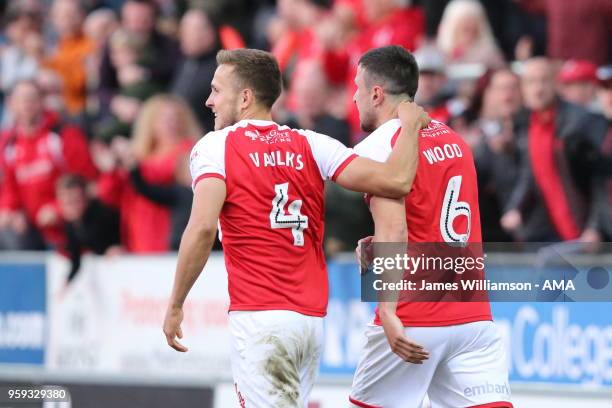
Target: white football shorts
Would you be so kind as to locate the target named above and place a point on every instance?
(466, 368)
(275, 356)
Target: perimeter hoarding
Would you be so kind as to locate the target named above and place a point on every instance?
(109, 320)
(22, 313)
(554, 343)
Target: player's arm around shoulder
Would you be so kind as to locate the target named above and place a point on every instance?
(393, 178)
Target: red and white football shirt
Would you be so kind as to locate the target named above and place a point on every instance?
(441, 207)
(272, 220)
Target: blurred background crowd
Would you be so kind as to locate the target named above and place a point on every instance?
(101, 102)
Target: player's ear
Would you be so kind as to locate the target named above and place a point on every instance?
(378, 95)
(246, 98)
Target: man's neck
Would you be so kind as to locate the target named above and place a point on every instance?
(256, 114)
(26, 128)
(386, 114)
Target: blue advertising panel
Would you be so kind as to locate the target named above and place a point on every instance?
(22, 313)
(568, 343)
(561, 343)
(347, 316)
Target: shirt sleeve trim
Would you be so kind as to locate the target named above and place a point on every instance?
(207, 175)
(395, 136)
(345, 163)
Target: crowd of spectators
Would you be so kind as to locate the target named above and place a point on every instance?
(101, 102)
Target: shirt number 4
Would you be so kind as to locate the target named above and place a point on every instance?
(294, 220)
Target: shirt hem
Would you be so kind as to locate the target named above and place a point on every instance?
(254, 308)
(439, 323)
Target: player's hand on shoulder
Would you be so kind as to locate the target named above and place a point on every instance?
(399, 343)
(172, 328)
(412, 115)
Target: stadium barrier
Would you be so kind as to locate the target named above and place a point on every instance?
(105, 330)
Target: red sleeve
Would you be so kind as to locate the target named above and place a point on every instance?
(336, 66)
(9, 196)
(409, 35)
(76, 153)
(230, 38)
(285, 49)
(110, 188)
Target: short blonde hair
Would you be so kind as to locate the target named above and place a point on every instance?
(143, 140)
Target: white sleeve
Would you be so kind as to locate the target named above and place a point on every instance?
(330, 154)
(208, 157)
(375, 148)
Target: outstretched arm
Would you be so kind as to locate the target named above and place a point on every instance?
(196, 244)
(392, 179)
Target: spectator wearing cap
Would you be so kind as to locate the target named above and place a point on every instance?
(578, 83)
(432, 93)
(199, 44)
(560, 143)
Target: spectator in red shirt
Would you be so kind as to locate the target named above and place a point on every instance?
(298, 42)
(166, 129)
(387, 23)
(561, 143)
(37, 150)
(299, 18)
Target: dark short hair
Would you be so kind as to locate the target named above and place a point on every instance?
(322, 3)
(149, 3)
(70, 181)
(395, 67)
(257, 70)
